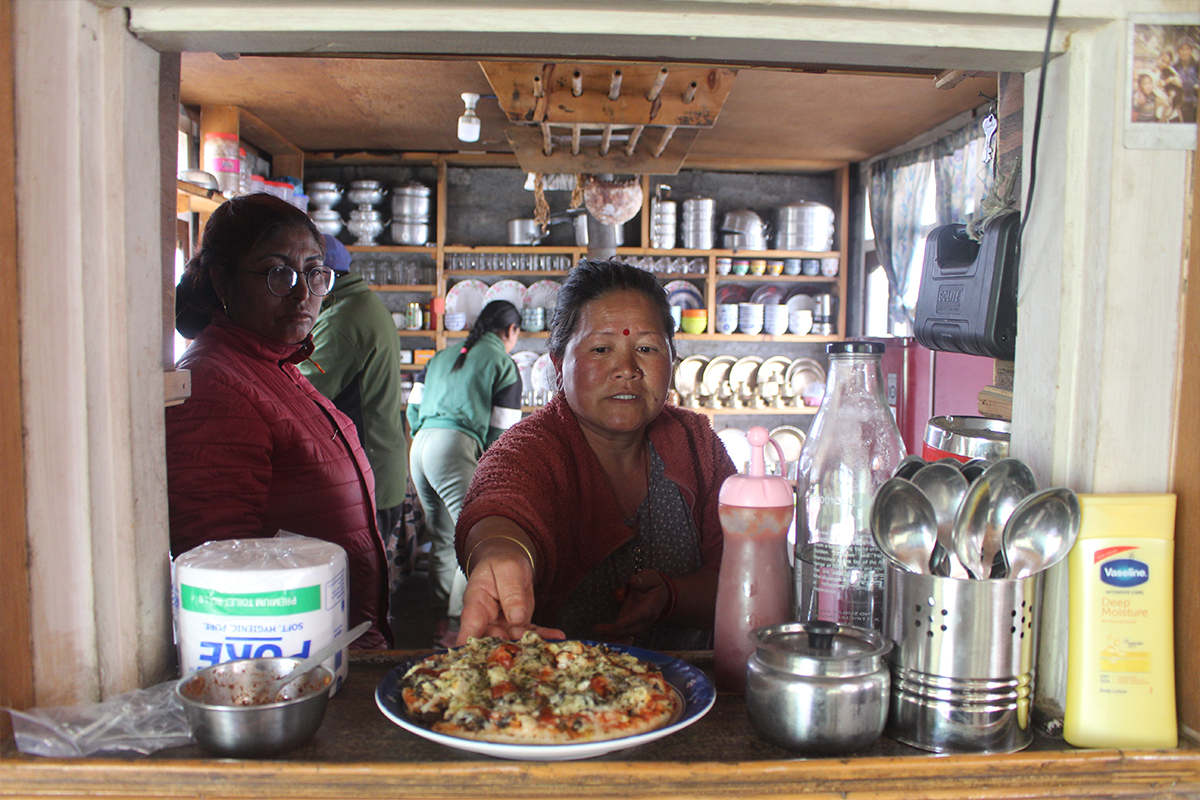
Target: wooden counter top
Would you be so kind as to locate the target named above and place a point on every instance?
(359, 753)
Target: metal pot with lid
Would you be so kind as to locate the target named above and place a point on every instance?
(818, 687)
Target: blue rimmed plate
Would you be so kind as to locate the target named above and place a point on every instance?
(690, 684)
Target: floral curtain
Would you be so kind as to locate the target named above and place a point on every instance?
(897, 193)
(897, 187)
(961, 177)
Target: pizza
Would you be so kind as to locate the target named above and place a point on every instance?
(535, 691)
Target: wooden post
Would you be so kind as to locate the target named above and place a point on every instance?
(633, 139)
(614, 89)
(605, 140)
(668, 132)
(652, 95)
(577, 83)
(689, 94)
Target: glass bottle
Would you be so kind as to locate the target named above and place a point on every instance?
(852, 447)
(754, 587)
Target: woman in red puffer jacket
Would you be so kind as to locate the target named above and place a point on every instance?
(256, 449)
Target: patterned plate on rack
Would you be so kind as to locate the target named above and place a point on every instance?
(514, 292)
(732, 293)
(684, 294)
(543, 294)
(768, 295)
(467, 297)
(525, 360)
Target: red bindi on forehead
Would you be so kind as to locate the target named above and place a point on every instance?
(626, 331)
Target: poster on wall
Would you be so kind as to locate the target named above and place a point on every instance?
(1161, 86)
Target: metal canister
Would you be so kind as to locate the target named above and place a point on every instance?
(414, 317)
(964, 438)
(818, 687)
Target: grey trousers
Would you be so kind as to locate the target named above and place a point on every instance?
(442, 462)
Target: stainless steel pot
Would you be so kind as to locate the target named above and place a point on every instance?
(804, 226)
(818, 687)
(410, 202)
(410, 232)
(524, 232)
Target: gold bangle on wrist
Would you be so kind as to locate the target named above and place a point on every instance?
(517, 542)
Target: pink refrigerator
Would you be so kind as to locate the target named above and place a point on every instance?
(923, 383)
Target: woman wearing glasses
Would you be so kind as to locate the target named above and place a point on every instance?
(256, 449)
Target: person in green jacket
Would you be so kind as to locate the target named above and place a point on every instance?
(461, 403)
(356, 364)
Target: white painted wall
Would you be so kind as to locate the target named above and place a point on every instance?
(1098, 305)
(88, 215)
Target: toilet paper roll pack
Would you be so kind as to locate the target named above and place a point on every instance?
(258, 598)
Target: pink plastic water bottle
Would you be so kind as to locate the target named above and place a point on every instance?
(754, 588)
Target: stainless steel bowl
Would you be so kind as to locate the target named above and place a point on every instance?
(818, 687)
(324, 195)
(326, 221)
(743, 221)
(231, 716)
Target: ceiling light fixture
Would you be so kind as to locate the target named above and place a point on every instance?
(468, 123)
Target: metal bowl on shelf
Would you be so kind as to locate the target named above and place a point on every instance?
(326, 221)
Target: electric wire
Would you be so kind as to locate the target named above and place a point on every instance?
(1037, 124)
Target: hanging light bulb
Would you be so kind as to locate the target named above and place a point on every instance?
(468, 123)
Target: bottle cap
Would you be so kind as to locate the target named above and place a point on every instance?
(756, 489)
(862, 348)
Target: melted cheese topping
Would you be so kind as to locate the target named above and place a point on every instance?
(578, 690)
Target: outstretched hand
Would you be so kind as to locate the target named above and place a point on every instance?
(498, 600)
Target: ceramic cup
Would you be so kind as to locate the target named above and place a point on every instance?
(800, 321)
(750, 317)
(727, 317)
(775, 319)
(533, 319)
(455, 320)
(724, 266)
(694, 320)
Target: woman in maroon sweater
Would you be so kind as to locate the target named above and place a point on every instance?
(597, 516)
(256, 449)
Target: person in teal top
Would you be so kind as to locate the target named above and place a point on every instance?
(356, 364)
(463, 400)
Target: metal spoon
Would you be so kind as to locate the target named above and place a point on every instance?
(307, 665)
(908, 466)
(972, 469)
(1040, 532)
(945, 488)
(989, 502)
(904, 525)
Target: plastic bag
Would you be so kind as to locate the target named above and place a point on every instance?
(141, 721)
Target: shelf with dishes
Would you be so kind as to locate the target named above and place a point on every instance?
(726, 384)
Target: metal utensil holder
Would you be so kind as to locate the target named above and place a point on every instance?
(964, 661)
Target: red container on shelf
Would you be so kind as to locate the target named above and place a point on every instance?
(965, 438)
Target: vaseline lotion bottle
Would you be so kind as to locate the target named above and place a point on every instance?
(1121, 658)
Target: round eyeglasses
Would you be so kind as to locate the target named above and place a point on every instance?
(281, 280)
